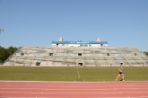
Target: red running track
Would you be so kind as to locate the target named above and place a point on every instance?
(14, 89)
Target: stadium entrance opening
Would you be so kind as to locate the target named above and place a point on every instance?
(80, 64)
(38, 63)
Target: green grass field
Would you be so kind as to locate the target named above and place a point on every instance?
(71, 73)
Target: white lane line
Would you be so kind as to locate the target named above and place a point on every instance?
(8, 88)
(91, 97)
(128, 97)
(74, 81)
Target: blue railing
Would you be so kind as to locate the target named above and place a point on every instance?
(79, 42)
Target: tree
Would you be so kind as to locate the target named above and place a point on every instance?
(3, 54)
(11, 50)
(6, 52)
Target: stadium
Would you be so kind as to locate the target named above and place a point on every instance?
(35, 64)
(77, 53)
(79, 69)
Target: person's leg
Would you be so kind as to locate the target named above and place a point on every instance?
(122, 77)
(117, 78)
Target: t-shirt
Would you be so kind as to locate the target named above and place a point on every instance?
(121, 68)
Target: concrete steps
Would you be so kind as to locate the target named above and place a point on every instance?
(32, 56)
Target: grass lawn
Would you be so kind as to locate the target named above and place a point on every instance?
(71, 73)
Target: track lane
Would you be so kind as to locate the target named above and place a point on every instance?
(74, 89)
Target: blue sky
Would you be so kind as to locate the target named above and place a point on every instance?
(123, 23)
